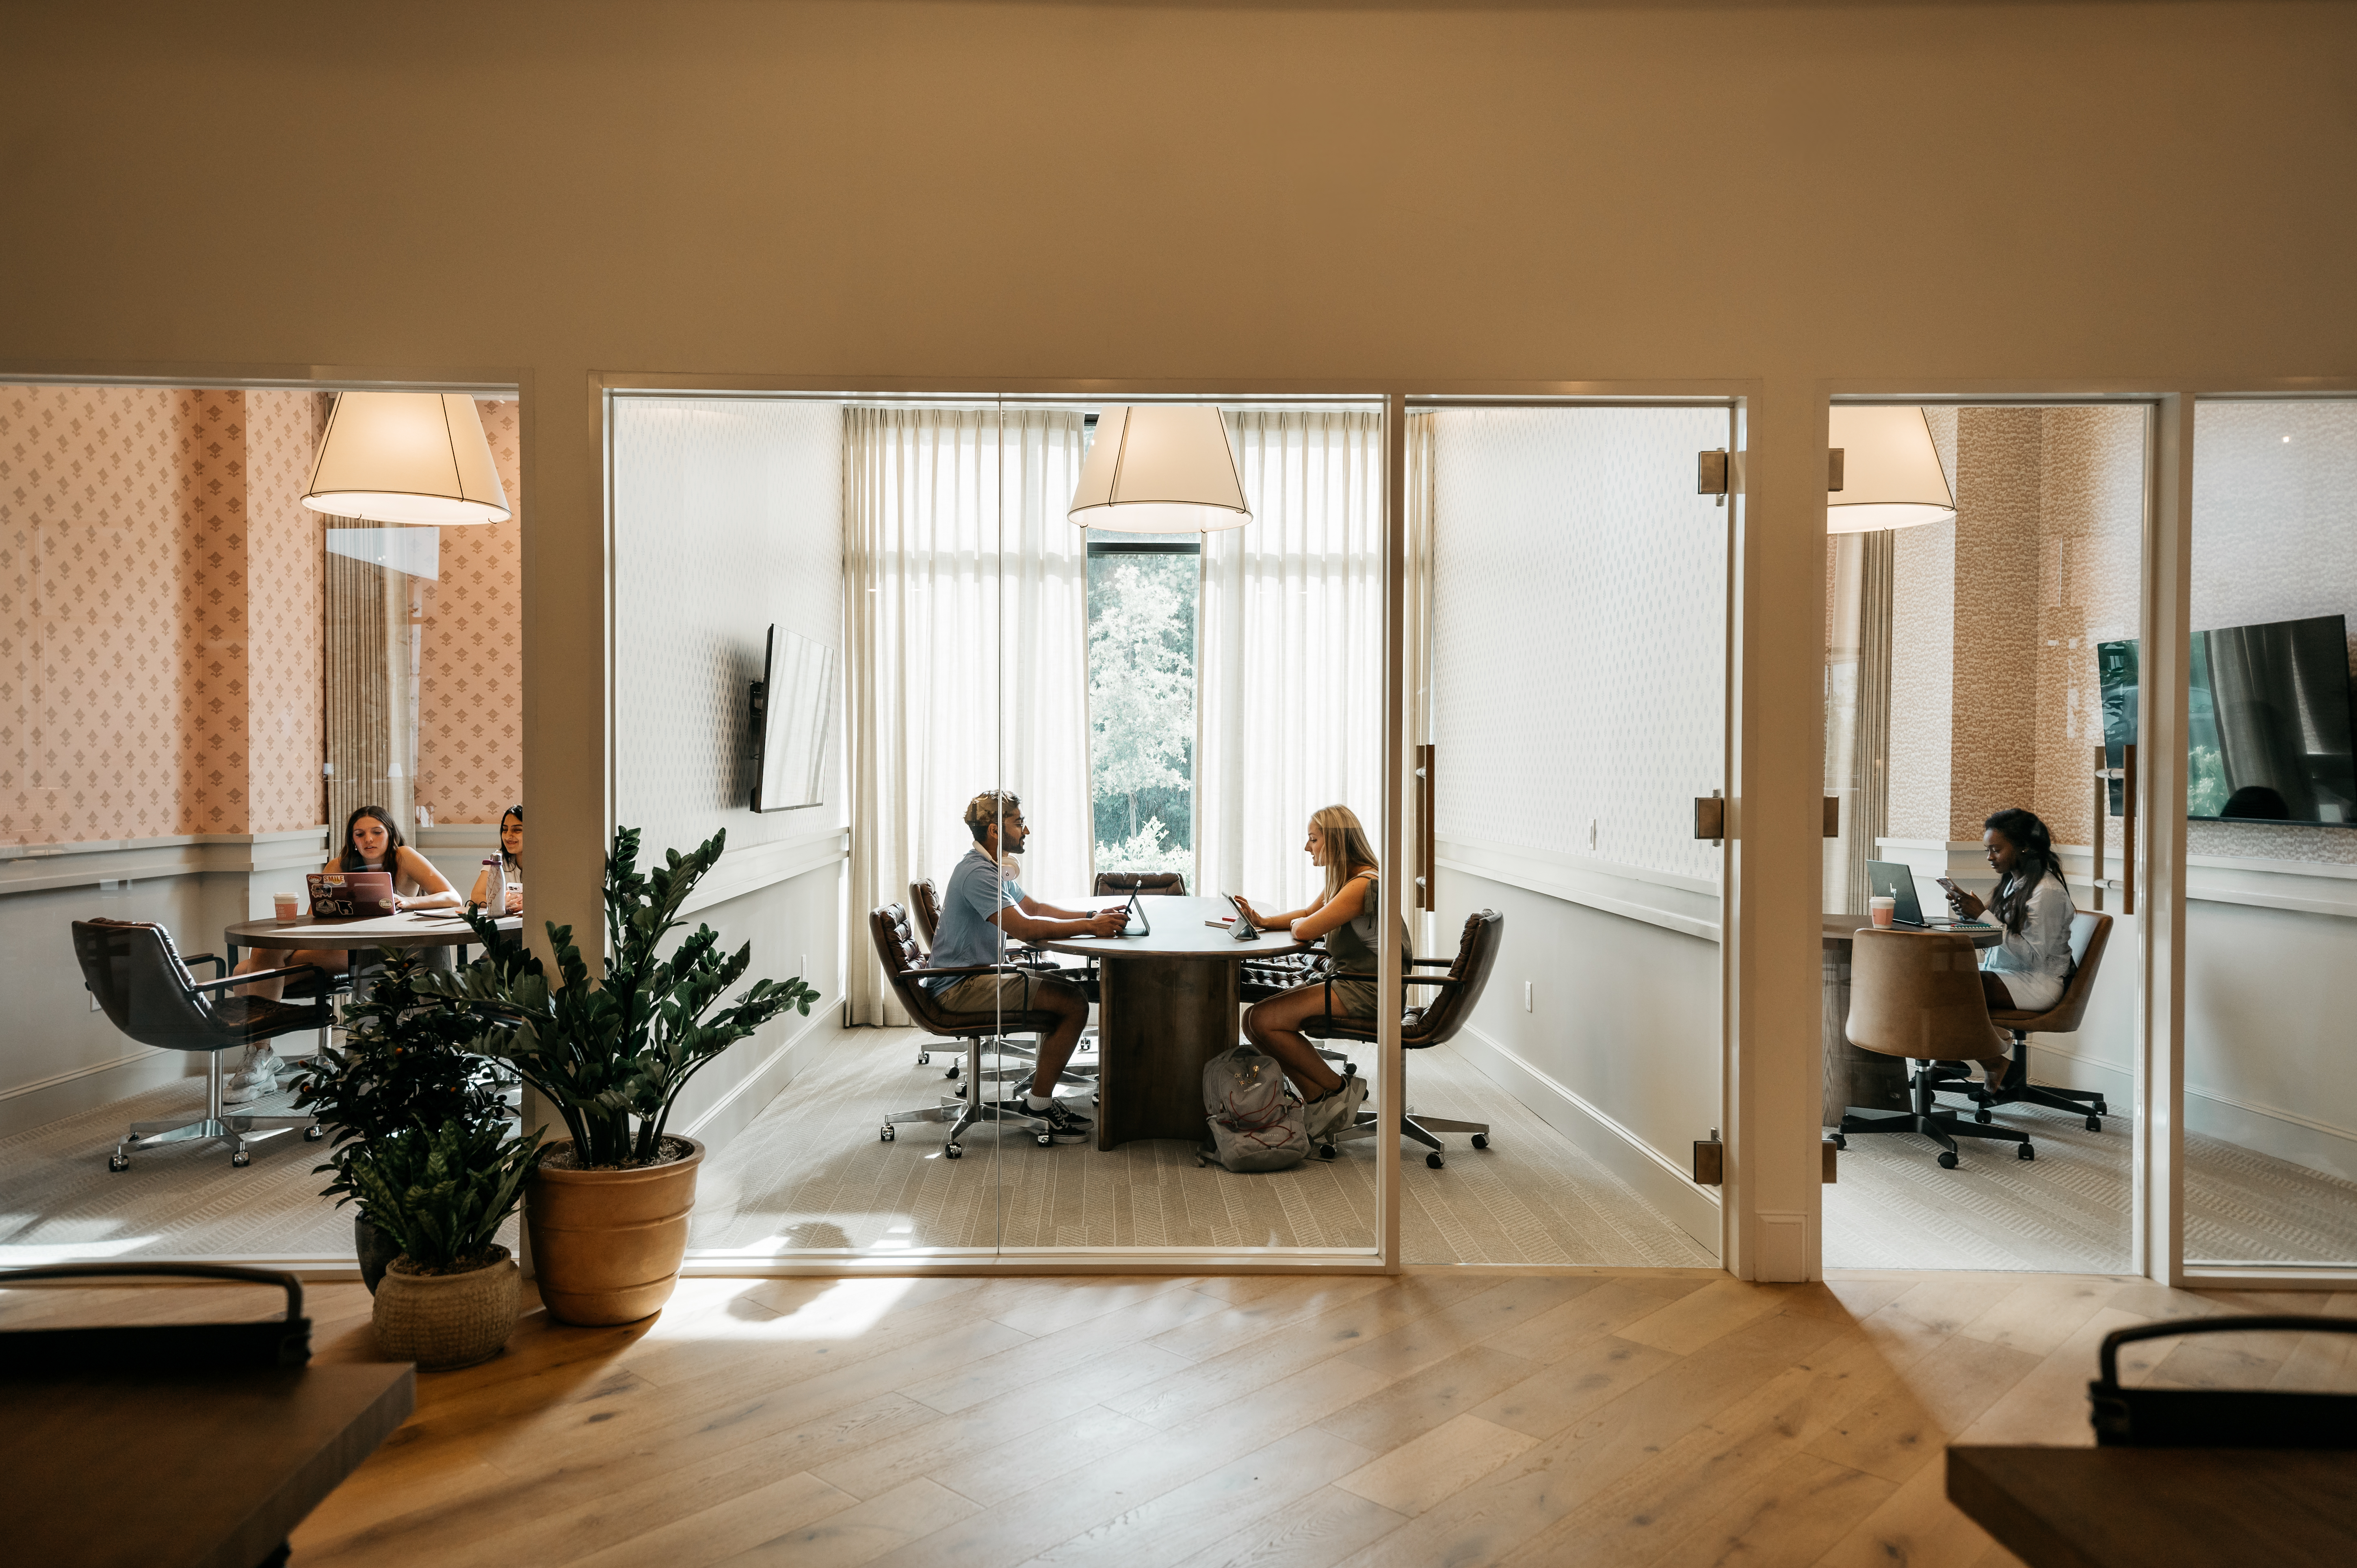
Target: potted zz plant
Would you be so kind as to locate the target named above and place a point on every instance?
(450, 1298)
(403, 1064)
(607, 1208)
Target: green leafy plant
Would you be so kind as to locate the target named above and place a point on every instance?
(441, 1195)
(614, 1057)
(404, 1064)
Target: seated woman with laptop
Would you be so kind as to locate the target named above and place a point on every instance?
(2030, 966)
(372, 843)
(1347, 915)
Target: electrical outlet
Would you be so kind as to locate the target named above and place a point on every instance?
(1529, 987)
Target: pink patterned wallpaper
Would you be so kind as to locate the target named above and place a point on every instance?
(282, 549)
(160, 621)
(91, 738)
(470, 685)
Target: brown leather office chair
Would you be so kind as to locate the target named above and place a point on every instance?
(144, 988)
(1151, 883)
(903, 962)
(925, 910)
(2090, 934)
(1424, 1027)
(1917, 994)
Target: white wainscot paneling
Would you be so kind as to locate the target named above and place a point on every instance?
(1619, 1049)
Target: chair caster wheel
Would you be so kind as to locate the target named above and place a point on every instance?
(117, 1163)
(924, 1059)
(1327, 1151)
(888, 1134)
(1350, 1068)
(240, 1159)
(2025, 1152)
(2102, 1108)
(953, 1069)
(1840, 1141)
(1432, 1160)
(1481, 1140)
(2094, 1124)
(1947, 1159)
(313, 1134)
(1984, 1117)
(951, 1152)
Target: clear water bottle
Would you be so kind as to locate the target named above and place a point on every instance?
(495, 885)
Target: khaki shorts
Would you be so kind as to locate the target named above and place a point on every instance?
(1354, 996)
(996, 993)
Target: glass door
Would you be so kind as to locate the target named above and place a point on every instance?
(1568, 613)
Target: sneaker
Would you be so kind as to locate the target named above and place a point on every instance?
(1065, 1125)
(256, 1075)
(1324, 1117)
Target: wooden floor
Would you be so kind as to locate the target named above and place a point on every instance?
(1446, 1417)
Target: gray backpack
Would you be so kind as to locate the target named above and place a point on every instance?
(1256, 1123)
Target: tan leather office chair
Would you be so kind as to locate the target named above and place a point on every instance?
(2090, 934)
(1917, 994)
(1151, 883)
(1424, 1027)
(903, 962)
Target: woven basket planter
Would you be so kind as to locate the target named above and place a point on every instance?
(442, 1321)
(606, 1245)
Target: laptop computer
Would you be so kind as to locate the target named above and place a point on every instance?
(351, 894)
(1895, 880)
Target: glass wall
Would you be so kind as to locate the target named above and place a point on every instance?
(1969, 698)
(1567, 620)
(2270, 1154)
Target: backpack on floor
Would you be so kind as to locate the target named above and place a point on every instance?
(1256, 1123)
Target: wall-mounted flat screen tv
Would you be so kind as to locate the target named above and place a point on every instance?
(2267, 735)
(792, 706)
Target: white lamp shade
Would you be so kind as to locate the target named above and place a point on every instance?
(1160, 468)
(406, 457)
(1891, 476)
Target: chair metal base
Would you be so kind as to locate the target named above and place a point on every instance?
(1942, 1127)
(2017, 1090)
(217, 1125)
(1417, 1129)
(964, 1111)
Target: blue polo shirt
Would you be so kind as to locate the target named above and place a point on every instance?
(976, 891)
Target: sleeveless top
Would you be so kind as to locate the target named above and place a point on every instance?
(1352, 944)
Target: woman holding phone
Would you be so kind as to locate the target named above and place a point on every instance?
(2031, 909)
(1347, 915)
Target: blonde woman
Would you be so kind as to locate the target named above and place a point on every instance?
(1347, 915)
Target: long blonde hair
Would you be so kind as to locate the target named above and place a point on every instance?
(1339, 829)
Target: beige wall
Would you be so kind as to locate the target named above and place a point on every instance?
(470, 675)
(1780, 197)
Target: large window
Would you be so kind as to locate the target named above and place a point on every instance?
(1142, 597)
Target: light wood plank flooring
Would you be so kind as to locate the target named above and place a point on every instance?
(1443, 1417)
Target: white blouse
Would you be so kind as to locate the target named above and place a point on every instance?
(2040, 950)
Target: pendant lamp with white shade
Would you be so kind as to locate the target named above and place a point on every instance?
(1160, 468)
(416, 457)
(1891, 476)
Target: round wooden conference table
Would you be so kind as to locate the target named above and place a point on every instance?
(357, 939)
(1167, 1004)
(1855, 1078)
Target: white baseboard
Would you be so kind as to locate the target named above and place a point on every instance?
(750, 1095)
(2286, 1134)
(1694, 1209)
(49, 1100)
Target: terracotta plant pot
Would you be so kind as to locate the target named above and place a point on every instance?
(441, 1321)
(606, 1245)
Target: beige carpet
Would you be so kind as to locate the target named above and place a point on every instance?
(810, 1173)
(2067, 1210)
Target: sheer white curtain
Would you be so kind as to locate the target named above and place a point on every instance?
(966, 664)
(1289, 661)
